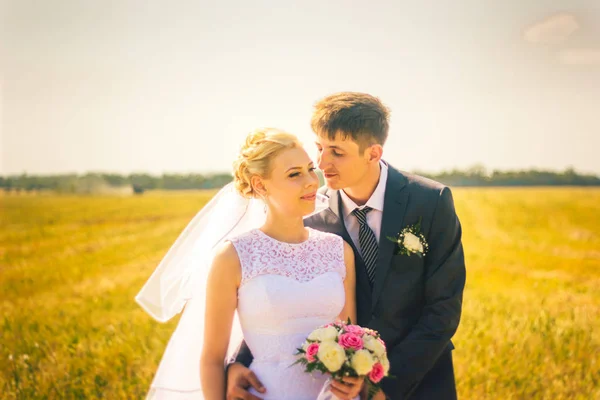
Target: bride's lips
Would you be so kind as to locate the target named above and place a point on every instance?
(310, 197)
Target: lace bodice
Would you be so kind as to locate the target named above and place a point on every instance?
(261, 255)
(287, 290)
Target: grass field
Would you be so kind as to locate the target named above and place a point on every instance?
(71, 266)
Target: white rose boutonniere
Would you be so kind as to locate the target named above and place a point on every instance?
(411, 241)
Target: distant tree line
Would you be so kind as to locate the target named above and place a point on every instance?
(102, 182)
(138, 183)
(479, 176)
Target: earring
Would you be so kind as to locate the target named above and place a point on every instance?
(264, 199)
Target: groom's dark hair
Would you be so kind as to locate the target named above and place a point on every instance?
(360, 116)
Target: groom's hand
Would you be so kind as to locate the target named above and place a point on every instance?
(348, 388)
(239, 380)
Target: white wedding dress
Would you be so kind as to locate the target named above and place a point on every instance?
(287, 291)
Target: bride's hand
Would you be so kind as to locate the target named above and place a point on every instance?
(348, 389)
(378, 396)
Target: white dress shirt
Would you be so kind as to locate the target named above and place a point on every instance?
(374, 216)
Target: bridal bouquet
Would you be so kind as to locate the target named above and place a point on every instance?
(341, 349)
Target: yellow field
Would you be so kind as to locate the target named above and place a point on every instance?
(71, 266)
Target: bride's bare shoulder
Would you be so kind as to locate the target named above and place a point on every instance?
(226, 262)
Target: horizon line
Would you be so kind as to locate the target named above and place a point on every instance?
(487, 171)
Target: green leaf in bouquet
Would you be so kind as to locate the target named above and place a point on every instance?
(302, 361)
(373, 389)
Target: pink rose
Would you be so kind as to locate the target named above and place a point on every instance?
(311, 352)
(376, 373)
(357, 330)
(350, 341)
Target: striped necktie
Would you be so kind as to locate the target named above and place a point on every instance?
(368, 242)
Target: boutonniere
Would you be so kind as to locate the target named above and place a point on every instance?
(410, 240)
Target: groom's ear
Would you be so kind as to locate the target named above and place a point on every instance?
(374, 153)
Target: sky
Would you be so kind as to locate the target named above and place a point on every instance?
(173, 87)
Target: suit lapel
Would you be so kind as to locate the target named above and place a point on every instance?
(394, 208)
(335, 221)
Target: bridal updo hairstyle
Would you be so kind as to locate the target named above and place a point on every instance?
(254, 158)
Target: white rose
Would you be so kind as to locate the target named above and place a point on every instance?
(374, 345)
(332, 355)
(412, 243)
(362, 362)
(329, 333)
(317, 335)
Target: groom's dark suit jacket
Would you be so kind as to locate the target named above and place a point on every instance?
(415, 302)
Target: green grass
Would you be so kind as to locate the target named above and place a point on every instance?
(70, 267)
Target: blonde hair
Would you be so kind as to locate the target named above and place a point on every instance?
(255, 156)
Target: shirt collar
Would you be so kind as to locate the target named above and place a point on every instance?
(377, 197)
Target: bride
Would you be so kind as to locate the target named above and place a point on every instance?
(246, 264)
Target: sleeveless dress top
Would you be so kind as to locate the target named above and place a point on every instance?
(287, 291)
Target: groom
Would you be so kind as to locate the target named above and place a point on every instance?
(408, 290)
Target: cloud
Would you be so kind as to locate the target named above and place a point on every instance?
(552, 30)
(579, 56)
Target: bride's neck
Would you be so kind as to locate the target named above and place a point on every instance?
(285, 229)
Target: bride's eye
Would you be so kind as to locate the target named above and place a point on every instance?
(295, 174)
